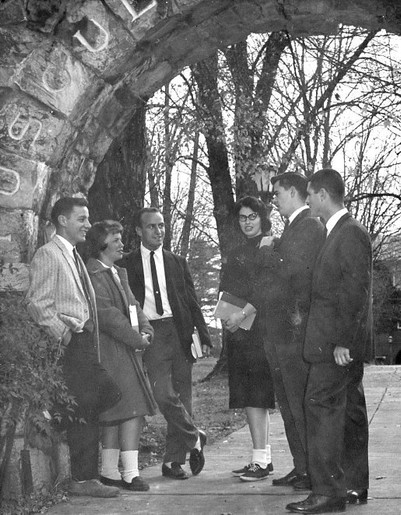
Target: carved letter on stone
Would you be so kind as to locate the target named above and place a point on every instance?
(55, 78)
(9, 181)
(87, 45)
(18, 135)
(132, 11)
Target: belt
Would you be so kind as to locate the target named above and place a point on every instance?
(164, 319)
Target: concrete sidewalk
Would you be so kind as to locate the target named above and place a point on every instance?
(216, 492)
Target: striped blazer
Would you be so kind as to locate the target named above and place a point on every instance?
(55, 298)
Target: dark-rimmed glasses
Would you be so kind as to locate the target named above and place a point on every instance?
(251, 217)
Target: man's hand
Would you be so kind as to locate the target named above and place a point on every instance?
(342, 356)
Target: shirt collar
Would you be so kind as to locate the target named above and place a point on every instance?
(332, 221)
(296, 213)
(67, 244)
(146, 252)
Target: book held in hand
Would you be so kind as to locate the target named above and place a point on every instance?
(229, 304)
(196, 347)
(133, 316)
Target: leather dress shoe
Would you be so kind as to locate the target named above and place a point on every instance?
(136, 485)
(92, 488)
(303, 482)
(357, 496)
(318, 504)
(196, 456)
(110, 482)
(174, 472)
(289, 479)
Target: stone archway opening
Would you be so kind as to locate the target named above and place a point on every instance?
(72, 74)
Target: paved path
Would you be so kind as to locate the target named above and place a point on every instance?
(216, 492)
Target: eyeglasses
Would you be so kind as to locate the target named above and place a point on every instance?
(251, 217)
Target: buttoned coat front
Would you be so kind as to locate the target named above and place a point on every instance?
(119, 341)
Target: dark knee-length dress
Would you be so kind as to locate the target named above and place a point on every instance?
(249, 378)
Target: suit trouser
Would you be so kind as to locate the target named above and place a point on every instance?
(290, 374)
(170, 375)
(337, 429)
(94, 390)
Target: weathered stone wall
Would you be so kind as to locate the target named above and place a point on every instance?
(72, 72)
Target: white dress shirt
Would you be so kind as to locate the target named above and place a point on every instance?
(332, 221)
(149, 305)
(296, 213)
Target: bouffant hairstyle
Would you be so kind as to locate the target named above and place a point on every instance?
(257, 206)
(97, 234)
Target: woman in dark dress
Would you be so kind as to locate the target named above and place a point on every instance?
(120, 346)
(250, 381)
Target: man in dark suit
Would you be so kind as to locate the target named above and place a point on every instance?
(337, 336)
(287, 277)
(162, 284)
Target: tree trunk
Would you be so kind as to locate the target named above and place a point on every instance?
(119, 187)
(186, 229)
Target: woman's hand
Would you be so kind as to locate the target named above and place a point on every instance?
(266, 241)
(145, 341)
(233, 322)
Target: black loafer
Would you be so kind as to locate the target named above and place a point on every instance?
(136, 485)
(303, 482)
(111, 482)
(357, 496)
(289, 479)
(318, 504)
(196, 456)
(174, 472)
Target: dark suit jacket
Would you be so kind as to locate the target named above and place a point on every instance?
(286, 278)
(340, 312)
(181, 295)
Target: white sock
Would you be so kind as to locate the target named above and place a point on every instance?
(110, 464)
(198, 444)
(129, 461)
(259, 456)
(268, 453)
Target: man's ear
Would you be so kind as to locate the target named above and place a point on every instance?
(323, 194)
(138, 230)
(62, 220)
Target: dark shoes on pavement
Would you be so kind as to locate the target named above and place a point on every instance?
(357, 496)
(318, 504)
(196, 456)
(255, 473)
(92, 488)
(244, 470)
(136, 485)
(294, 479)
(174, 472)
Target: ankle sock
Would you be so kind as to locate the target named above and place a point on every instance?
(259, 456)
(129, 461)
(268, 453)
(110, 464)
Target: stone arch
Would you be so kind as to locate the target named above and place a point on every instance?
(72, 74)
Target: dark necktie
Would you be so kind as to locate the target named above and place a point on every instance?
(156, 288)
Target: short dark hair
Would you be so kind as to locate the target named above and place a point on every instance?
(292, 179)
(138, 214)
(257, 206)
(97, 234)
(331, 181)
(64, 206)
